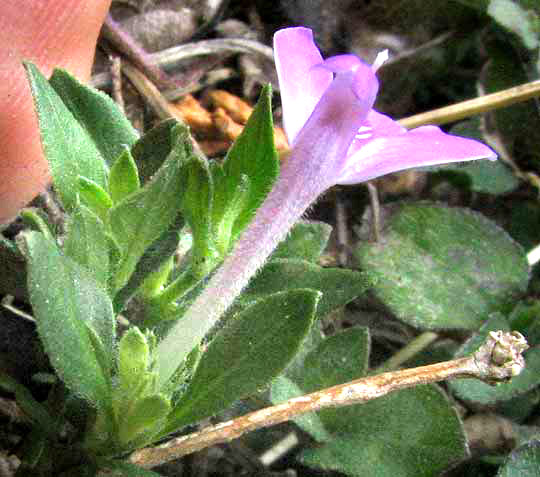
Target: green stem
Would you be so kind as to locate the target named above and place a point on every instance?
(179, 287)
(407, 352)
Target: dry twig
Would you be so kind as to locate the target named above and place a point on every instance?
(475, 106)
(498, 359)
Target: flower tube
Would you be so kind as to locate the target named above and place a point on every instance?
(336, 137)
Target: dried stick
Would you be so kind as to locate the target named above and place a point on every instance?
(474, 106)
(123, 41)
(498, 359)
(172, 57)
(116, 74)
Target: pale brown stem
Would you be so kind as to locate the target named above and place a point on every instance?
(151, 94)
(123, 41)
(116, 74)
(375, 211)
(498, 359)
(474, 106)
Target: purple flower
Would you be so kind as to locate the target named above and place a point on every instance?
(336, 137)
(315, 102)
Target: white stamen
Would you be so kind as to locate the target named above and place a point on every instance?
(364, 132)
(381, 58)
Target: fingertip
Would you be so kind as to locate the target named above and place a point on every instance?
(50, 34)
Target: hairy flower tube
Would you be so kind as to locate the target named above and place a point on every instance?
(336, 137)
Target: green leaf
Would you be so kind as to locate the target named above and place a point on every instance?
(338, 359)
(124, 177)
(197, 209)
(492, 177)
(153, 258)
(69, 149)
(250, 350)
(253, 155)
(133, 358)
(152, 149)
(87, 243)
(478, 392)
(410, 433)
(36, 219)
(65, 300)
(144, 216)
(523, 461)
(306, 241)
(146, 415)
(339, 286)
(524, 222)
(94, 197)
(438, 267)
(523, 22)
(524, 318)
(103, 122)
(225, 213)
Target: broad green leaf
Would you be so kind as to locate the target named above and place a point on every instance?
(144, 216)
(305, 241)
(65, 300)
(410, 433)
(518, 409)
(151, 150)
(338, 359)
(337, 285)
(478, 392)
(69, 149)
(153, 258)
(124, 177)
(253, 155)
(104, 123)
(87, 243)
(250, 350)
(492, 177)
(525, 318)
(524, 222)
(523, 461)
(438, 267)
(284, 388)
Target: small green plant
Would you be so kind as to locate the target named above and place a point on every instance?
(206, 331)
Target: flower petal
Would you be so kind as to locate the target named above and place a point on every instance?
(375, 125)
(301, 85)
(423, 146)
(324, 141)
(342, 63)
